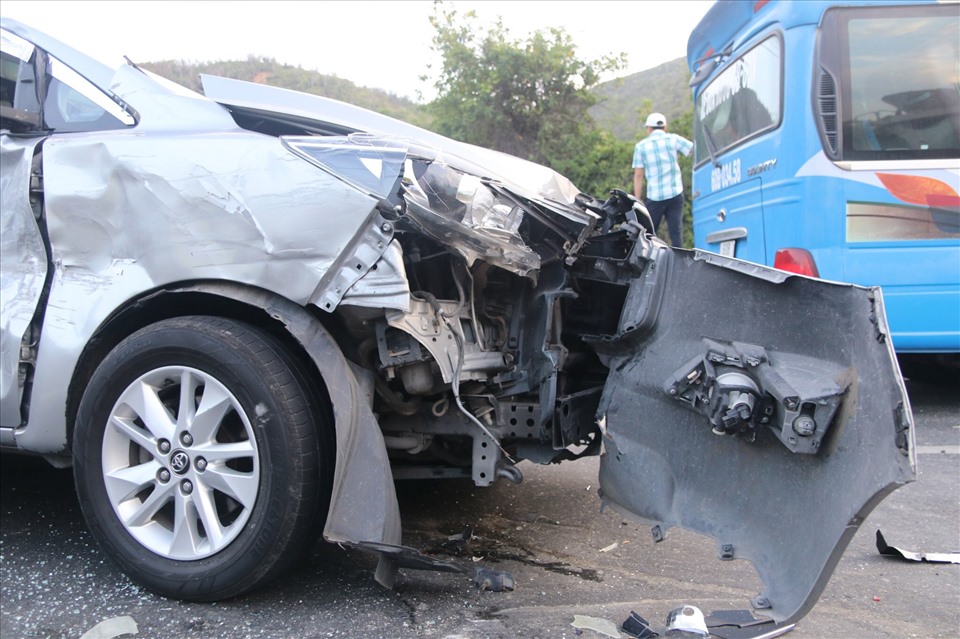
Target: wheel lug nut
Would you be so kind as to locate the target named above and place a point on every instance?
(164, 446)
(186, 439)
(200, 464)
(164, 475)
(186, 486)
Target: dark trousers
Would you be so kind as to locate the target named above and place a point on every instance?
(672, 209)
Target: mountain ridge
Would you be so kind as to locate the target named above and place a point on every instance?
(620, 107)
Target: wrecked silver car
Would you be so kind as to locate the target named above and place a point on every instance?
(241, 316)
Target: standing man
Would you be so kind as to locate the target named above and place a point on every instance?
(655, 157)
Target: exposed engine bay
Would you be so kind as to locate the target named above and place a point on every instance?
(487, 366)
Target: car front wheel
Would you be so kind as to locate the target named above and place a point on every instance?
(197, 457)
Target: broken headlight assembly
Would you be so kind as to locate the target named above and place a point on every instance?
(741, 388)
(367, 162)
(462, 211)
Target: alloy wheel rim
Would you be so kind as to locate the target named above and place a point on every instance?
(180, 463)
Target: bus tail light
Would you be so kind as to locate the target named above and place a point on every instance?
(796, 260)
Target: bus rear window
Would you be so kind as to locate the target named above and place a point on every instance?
(899, 81)
(742, 101)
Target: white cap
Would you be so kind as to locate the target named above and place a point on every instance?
(656, 121)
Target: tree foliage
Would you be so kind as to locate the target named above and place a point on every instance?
(525, 97)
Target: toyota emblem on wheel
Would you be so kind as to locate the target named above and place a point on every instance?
(179, 462)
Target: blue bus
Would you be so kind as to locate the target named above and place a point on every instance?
(827, 143)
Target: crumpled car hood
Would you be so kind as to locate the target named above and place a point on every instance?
(526, 178)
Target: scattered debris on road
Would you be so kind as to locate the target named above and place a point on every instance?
(111, 628)
(687, 619)
(908, 555)
(603, 626)
(637, 626)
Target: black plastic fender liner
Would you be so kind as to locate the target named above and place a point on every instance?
(791, 515)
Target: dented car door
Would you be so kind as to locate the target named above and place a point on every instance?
(761, 409)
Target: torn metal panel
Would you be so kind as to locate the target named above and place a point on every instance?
(464, 282)
(909, 555)
(225, 206)
(354, 261)
(759, 500)
(162, 105)
(526, 178)
(385, 285)
(23, 268)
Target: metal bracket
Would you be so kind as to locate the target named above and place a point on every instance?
(363, 251)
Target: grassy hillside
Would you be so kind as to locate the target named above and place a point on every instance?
(618, 110)
(269, 71)
(666, 86)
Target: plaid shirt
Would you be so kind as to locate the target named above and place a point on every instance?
(656, 154)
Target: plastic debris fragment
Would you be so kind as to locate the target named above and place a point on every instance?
(111, 628)
(603, 626)
(637, 626)
(687, 619)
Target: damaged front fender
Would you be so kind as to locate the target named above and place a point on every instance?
(363, 503)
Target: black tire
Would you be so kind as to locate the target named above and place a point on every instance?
(249, 482)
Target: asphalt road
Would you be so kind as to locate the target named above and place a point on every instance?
(567, 558)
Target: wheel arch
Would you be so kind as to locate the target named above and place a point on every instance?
(219, 299)
(363, 505)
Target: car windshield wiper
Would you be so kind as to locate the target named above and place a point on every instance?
(705, 66)
(711, 145)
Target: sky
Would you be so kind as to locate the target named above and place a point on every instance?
(373, 43)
